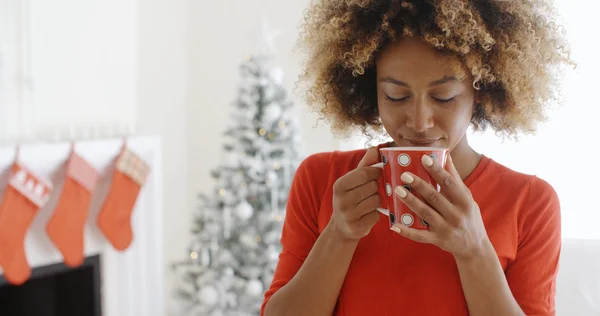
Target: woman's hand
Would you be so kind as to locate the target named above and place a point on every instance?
(356, 199)
(454, 218)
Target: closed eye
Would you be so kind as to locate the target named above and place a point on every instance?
(405, 98)
(444, 100)
(394, 99)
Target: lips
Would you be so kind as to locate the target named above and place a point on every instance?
(421, 141)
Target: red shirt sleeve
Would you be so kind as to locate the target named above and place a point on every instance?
(300, 227)
(532, 274)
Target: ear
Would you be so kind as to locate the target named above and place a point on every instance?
(477, 96)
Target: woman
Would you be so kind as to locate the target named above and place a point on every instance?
(423, 72)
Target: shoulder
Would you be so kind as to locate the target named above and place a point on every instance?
(542, 202)
(540, 188)
(534, 186)
(507, 176)
(535, 197)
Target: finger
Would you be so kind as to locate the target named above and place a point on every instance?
(435, 199)
(423, 210)
(364, 191)
(350, 199)
(418, 235)
(452, 186)
(356, 178)
(366, 206)
(368, 220)
(370, 157)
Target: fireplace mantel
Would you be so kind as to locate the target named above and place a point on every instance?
(132, 281)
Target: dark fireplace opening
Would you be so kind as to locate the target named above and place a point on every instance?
(55, 290)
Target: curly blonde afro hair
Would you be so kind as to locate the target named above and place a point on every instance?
(512, 49)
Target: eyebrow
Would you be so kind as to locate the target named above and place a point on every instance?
(431, 84)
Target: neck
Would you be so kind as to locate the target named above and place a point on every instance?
(465, 158)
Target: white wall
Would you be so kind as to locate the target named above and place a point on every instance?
(83, 68)
(162, 68)
(221, 35)
(64, 64)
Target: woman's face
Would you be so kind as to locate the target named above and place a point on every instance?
(421, 102)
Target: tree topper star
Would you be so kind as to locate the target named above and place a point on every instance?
(265, 39)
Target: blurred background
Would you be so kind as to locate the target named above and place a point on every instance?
(175, 79)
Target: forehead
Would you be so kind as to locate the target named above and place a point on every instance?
(414, 57)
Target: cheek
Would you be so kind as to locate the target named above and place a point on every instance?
(390, 117)
(457, 120)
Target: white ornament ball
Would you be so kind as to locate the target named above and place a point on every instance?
(254, 287)
(272, 113)
(208, 296)
(271, 237)
(231, 160)
(248, 241)
(244, 210)
(277, 75)
(272, 176)
(273, 253)
(228, 272)
(254, 272)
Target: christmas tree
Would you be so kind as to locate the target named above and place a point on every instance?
(237, 228)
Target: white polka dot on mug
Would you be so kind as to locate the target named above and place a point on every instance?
(404, 160)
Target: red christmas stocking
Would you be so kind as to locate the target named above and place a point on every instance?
(24, 196)
(66, 226)
(115, 216)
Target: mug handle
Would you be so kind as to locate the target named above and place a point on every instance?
(383, 211)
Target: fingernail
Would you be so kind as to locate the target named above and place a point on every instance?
(400, 191)
(427, 161)
(396, 229)
(407, 178)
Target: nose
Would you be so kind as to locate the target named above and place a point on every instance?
(420, 116)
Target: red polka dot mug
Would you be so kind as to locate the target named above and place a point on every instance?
(394, 162)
